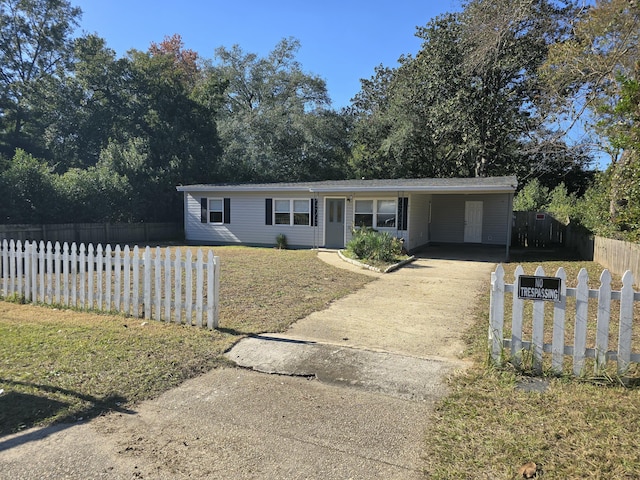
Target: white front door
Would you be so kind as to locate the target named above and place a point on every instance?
(473, 222)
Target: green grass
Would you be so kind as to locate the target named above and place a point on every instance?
(63, 365)
(491, 424)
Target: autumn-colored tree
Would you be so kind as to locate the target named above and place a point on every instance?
(185, 60)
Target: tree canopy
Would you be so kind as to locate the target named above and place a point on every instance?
(493, 90)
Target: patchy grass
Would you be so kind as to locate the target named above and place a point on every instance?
(63, 365)
(493, 421)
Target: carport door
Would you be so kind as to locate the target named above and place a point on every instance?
(334, 229)
(473, 222)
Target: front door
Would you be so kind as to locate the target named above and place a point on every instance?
(334, 224)
(473, 222)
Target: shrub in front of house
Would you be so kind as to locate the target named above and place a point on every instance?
(369, 244)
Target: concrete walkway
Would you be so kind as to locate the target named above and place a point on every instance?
(353, 401)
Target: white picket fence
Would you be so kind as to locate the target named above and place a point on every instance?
(143, 283)
(537, 347)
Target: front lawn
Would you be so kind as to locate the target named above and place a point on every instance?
(63, 365)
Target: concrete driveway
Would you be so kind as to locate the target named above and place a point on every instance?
(353, 400)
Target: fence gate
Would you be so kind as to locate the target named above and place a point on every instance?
(537, 229)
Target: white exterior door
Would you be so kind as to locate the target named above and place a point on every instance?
(473, 222)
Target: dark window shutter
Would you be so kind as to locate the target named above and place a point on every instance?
(268, 217)
(314, 212)
(403, 212)
(203, 210)
(227, 210)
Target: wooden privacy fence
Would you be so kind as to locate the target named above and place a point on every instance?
(153, 284)
(600, 331)
(536, 229)
(93, 232)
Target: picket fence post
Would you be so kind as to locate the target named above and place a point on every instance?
(178, 286)
(127, 280)
(136, 282)
(41, 270)
(537, 337)
(157, 300)
(167, 285)
(100, 271)
(107, 278)
(56, 269)
(188, 291)
(91, 259)
(199, 288)
(602, 325)
(626, 323)
(516, 324)
(5, 267)
(27, 271)
(559, 309)
(83, 276)
(147, 282)
(117, 267)
(496, 308)
(580, 329)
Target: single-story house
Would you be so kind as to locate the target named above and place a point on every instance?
(323, 214)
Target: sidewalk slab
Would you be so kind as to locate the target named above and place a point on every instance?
(401, 376)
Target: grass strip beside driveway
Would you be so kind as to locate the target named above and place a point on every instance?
(64, 365)
(496, 420)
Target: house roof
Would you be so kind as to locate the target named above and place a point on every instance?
(430, 185)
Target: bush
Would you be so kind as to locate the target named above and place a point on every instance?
(281, 241)
(369, 244)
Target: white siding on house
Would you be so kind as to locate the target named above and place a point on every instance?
(247, 226)
(432, 218)
(418, 221)
(447, 214)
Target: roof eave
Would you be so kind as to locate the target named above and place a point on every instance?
(352, 189)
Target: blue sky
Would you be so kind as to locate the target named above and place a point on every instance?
(341, 41)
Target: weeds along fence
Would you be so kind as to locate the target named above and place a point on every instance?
(599, 321)
(151, 283)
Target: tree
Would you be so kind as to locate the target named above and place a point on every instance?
(597, 71)
(87, 107)
(35, 46)
(169, 136)
(275, 124)
(27, 189)
(533, 197)
(466, 103)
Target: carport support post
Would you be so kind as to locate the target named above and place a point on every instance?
(509, 226)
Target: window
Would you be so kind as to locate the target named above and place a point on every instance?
(301, 212)
(381, 213)
(386, 210)
(364, 213)
(281, 212)
(216, 210)
(291, 212)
